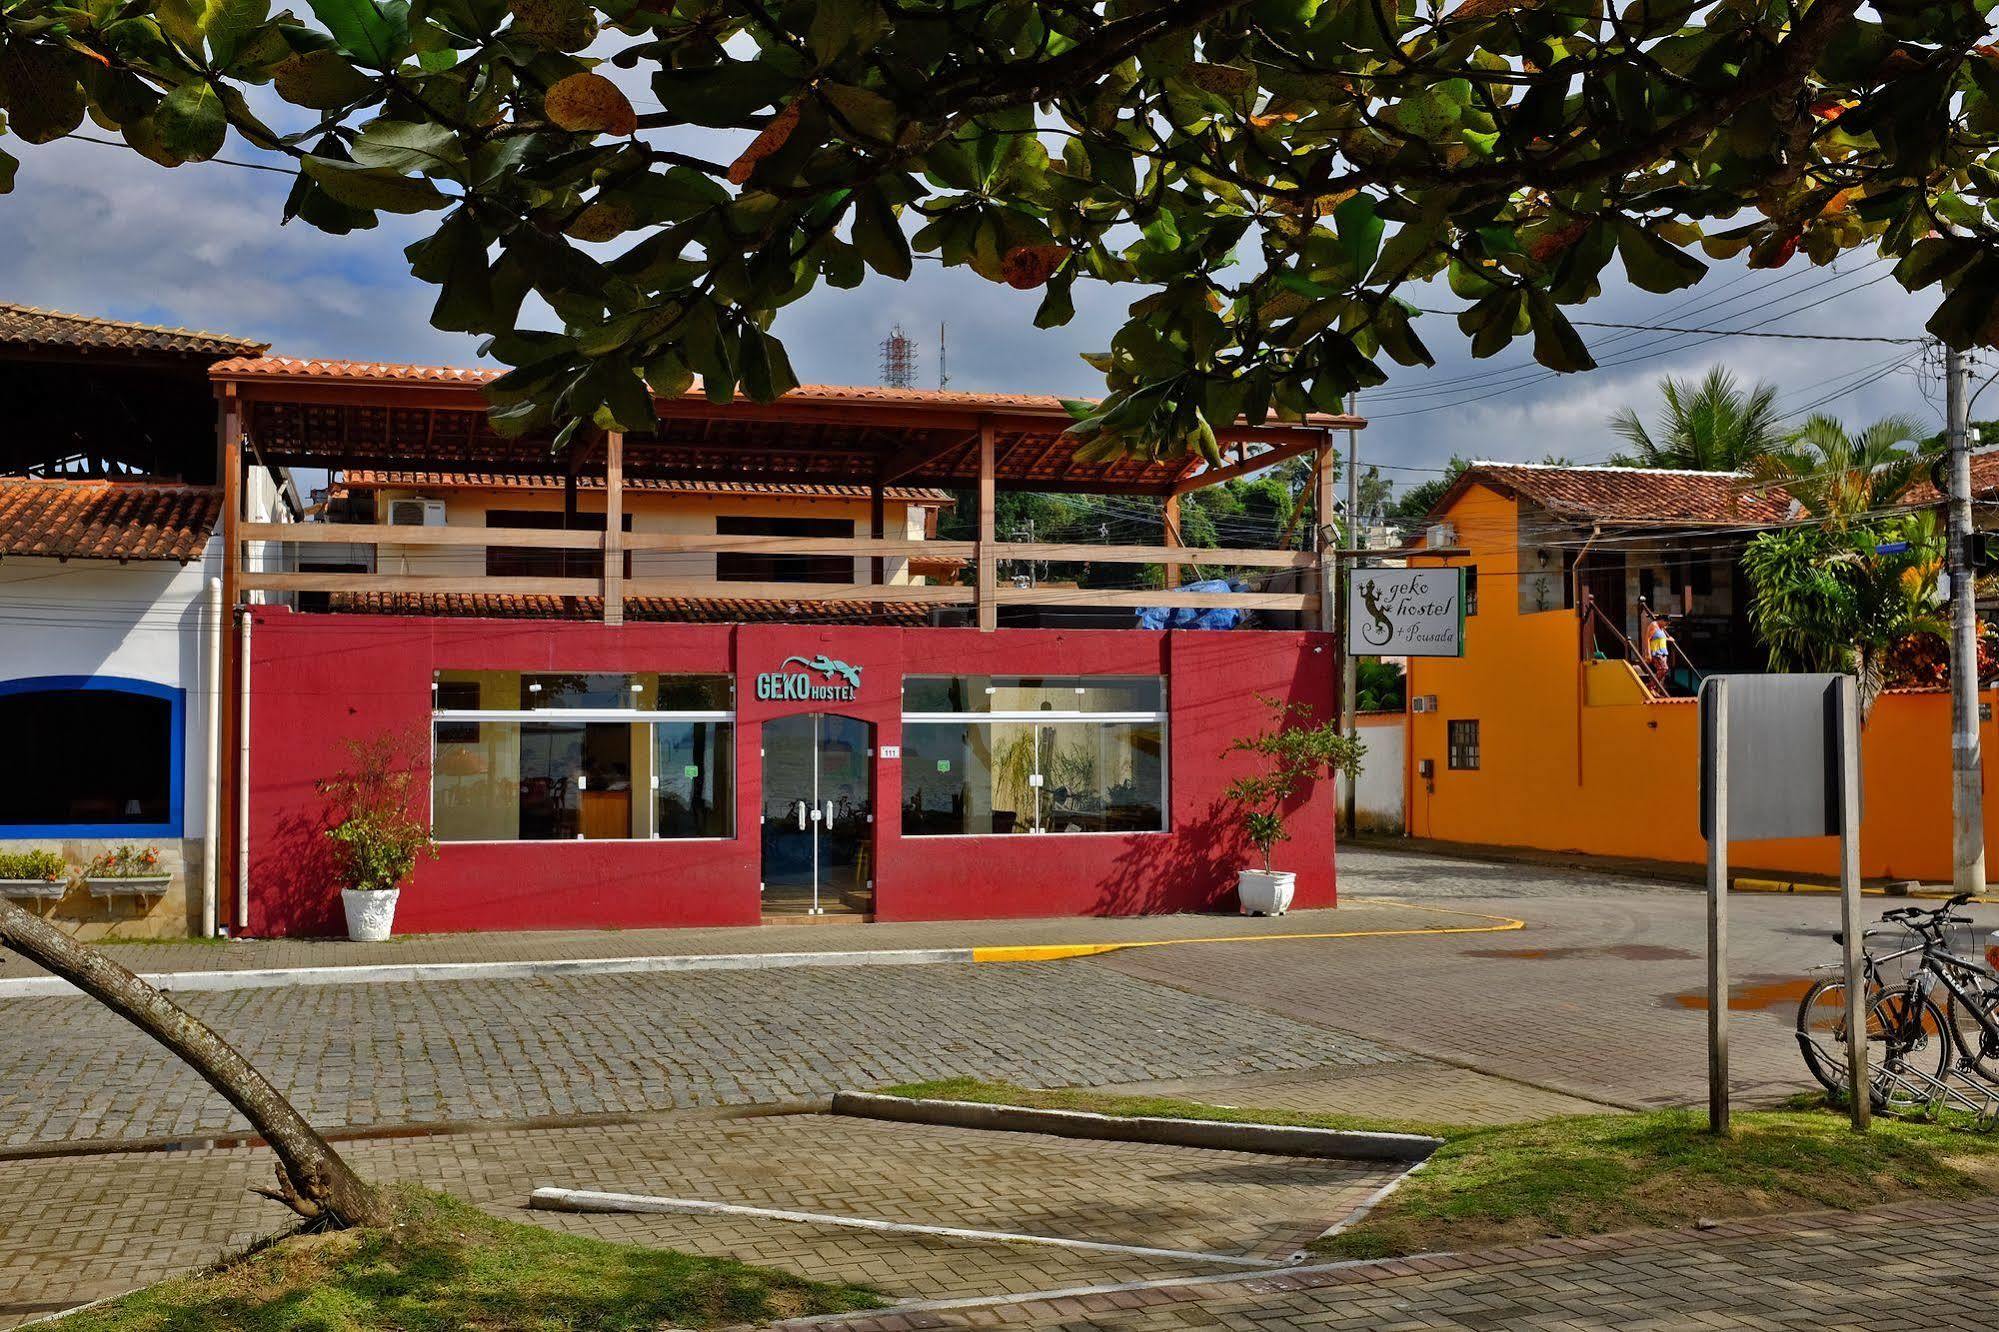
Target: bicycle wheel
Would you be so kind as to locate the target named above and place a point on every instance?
(1974, 1043)
(1822, 1033)
(1907, 1033)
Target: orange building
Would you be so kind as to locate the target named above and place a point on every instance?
(1554, 730)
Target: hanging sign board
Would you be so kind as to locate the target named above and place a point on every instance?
(1406, 612)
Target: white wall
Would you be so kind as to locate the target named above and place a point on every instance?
(1378, 797)
(144, 621)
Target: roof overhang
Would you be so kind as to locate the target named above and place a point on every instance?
(321, 414)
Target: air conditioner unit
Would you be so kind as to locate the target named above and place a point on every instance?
(1423, 703)
(416, 513)
(1441, 534)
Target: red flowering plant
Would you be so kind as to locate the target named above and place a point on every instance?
(125, 862)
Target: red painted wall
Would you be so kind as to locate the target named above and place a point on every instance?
(318, 680)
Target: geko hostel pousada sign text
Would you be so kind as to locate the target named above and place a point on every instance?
(819, 679)
(1406, 612)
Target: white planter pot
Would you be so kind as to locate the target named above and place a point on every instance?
(1265, 892)
(128, 885)
(370, 913)
(36, 889)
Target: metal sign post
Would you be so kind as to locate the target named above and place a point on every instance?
(1714, 795)
(1762, 738)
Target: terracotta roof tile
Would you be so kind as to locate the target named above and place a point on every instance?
(1632, 495)
(682, 610)
(1984, 481)
(372, 372)
(364, 479)
(25, 325)
(106, 520)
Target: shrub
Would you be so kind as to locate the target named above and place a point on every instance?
(46, 866)
(124, 862)
(1295, 752)
(379, 838)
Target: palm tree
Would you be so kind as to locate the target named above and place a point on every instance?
(1837, 592)
(1840, 477)
(1710, 426)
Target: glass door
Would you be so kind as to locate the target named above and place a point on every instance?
(818, 814)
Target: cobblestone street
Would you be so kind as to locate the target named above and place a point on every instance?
(619, 1082)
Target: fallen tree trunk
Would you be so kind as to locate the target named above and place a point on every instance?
(313, 1180)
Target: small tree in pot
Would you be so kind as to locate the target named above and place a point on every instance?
(379, 838)
(1294, 751)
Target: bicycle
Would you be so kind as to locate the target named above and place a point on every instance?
(1911, 1037)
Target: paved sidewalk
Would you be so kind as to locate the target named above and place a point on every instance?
(75, 1229)
(1922, 1267)
(832, 937)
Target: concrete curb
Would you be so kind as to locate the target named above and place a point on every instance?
(277, 978)
(1266, 1139)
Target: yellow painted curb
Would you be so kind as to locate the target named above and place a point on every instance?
(1060, 952)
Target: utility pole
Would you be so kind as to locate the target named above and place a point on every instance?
(1967, 803)
(1349, 666)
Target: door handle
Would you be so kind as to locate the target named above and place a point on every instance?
(829, 813)
(801, 816)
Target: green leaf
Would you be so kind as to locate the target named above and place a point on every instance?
(376, 34)
(1556, 343)
(1931, 259)
(230, 24)
(191, 122)
(376, 190)
(878, 235)
(455, 259)
(766, 370)
(865, 111)
(321, 80)
(8, 165)
(1653, 264)
(39, 91)
(1359, 228)
(403, 146)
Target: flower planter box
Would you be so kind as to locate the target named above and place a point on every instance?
(40, 890)
(1266, 892)
(129, 885)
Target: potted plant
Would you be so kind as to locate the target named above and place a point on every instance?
(1292, 753)
(126, 870)
(378, 837)
(33, 874)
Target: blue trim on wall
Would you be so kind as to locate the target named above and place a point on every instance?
(176, 761)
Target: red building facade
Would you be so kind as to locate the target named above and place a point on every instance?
(821, 770)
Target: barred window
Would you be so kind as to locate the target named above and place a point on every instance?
(1464, 745)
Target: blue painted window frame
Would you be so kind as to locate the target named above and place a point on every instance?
(176, 761)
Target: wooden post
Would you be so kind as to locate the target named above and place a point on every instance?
(222, 781)
(1715, 793)
(1170, 535)
(614, 527)
(877, 528)
(1325, 465)
(1849, 899)
(988, 562)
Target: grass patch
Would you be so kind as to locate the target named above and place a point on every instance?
(444, 1265)
(1598, 1174)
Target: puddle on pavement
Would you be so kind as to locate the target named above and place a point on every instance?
(1758, 994)
(1628, 952)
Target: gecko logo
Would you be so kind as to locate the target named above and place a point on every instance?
(837, 683)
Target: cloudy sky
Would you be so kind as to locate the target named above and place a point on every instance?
(98, 230)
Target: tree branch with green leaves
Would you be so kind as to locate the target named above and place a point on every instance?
(1264, 176)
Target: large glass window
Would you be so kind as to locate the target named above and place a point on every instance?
(87, 754)
(535, 757)
(1007, 754)
(543, 561)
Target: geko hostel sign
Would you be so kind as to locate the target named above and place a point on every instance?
(819, 679)
(1406, 612)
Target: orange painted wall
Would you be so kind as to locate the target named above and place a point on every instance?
(1575, 757)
